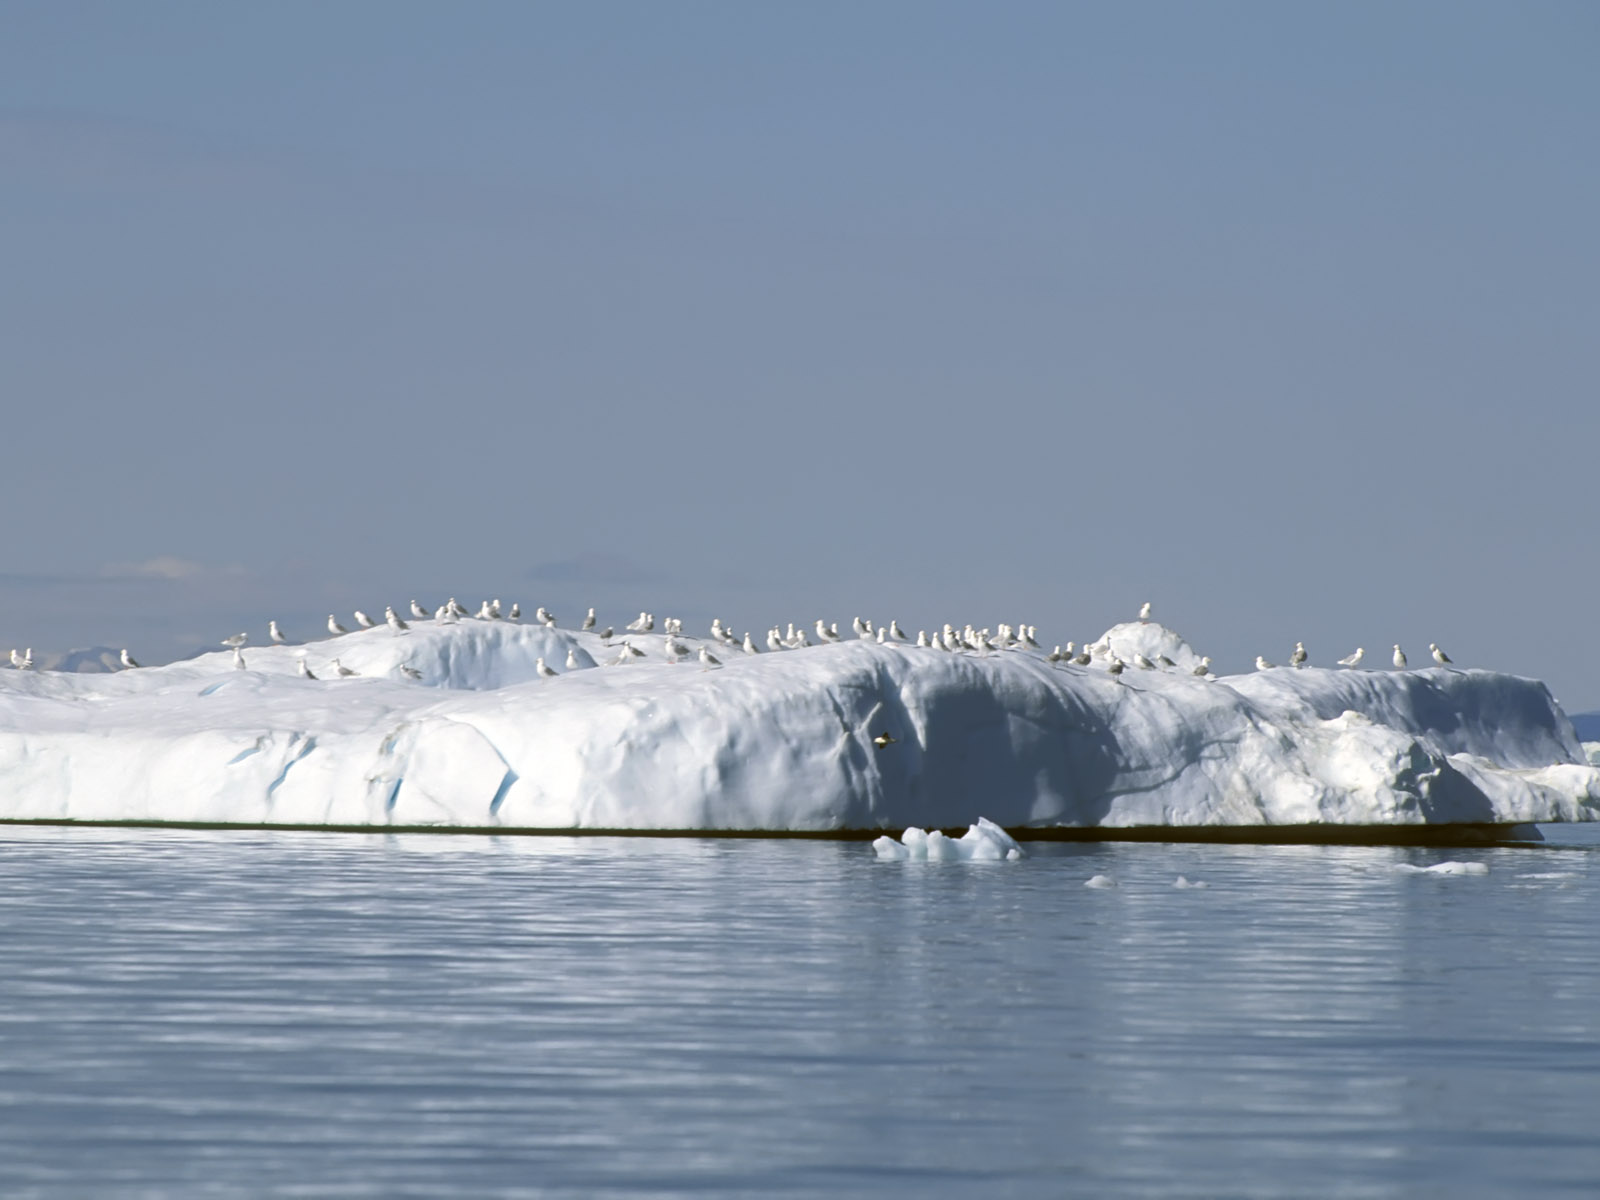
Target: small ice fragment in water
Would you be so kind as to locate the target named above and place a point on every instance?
(1181, 882)
(985, 841)
(1101, 881)
(1445, 868)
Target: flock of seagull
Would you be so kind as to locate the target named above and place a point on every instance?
(949, 639)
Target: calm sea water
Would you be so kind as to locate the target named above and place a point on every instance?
(252, 1014)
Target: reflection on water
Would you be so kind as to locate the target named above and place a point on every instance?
(273, 1014)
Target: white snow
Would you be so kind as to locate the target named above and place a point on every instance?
(777, 741)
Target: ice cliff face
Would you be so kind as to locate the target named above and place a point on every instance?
(777, 741)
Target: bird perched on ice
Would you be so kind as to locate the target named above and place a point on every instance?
(606, 635)
(543, 616)
(643, 623)
(708, 660)
(673, 648)
(627, 654)
(546, 672)
(896, 632)
(23, 661)
(1084, 658)
(342, 671)
(236, 640)
(1399, 658)
(1143, 663)
(305, 671)
(1204, 666)
(516, 611)
(826, 634)
(1298, 658)
(1144, 611)
(275, 634)
(419, 612)
(883, 739)
(127, 660)
(1353, 660)
(1054, 656)
(334, 627)
(1439, 656)
(238, 659)
(1115, 668)
(395, 623)
(588, 621)
(774, 639)
(1262, 664)
(750, 646)
(363, 620)
(572, 660)
(410, 672)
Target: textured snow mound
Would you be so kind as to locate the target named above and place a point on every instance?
(454, 725)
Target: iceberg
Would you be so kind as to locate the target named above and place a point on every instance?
(453, 726)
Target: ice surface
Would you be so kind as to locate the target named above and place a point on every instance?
(778, 741)
(983, 842)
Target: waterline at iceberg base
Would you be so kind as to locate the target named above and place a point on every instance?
(783, 742)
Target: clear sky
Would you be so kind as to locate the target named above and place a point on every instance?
(1285, 317)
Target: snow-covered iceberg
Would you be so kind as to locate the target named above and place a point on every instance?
(785, 741)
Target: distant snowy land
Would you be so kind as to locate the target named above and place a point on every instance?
(455, 724)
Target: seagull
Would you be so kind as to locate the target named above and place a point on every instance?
(1116, 667)
(922, 638)
(1164, 662)
(1399, 658)
(627, 654)
(419, 612)
(750, 646)
(485, 613)
(1143, 663)
(1204, 666)
(444, 615)
(1262, 664)
(883, 739)
(1144, 611)
(543, 617)
(588, 621)
(410, 672)
(826, 634)
(572, 659)
(606, 634)
(238, 659)
(516, 611)
(1084, 658)
(708, 660)
(23, 661)
(1439, 656)
(538, 665)
(342, 670)
(305, 671)
(395, 623)
(643, 623)
(896, 632)
(863, 629)
(275, 633)
(334, 627)
(673, 649)
(1054, 656)
(883, 636)
(236, 640)
(774, 641)
(1298, 658)
(363, 620)
(127, 660)
(1353, 660)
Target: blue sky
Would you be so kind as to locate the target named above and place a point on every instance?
(1282, 316)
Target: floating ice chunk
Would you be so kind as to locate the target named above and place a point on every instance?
(1444, 868)
(1101, 881)
(1181, 882)
(984, 842)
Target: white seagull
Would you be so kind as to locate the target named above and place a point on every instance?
(1204, 666)
(1298, 658)
(410, 672)
(896, 632)
(419, 612)
(750, 646)
(774, 639)
(572, 659)
(1399, 658)
(546, 672)
(342, 670)
(643, 623)
(588, 621)
(238, 659)
(1262, 664)
(826, 634)
(275, 633)
(708, 660)
(363, 620)
(334, 627)
(395, 623)
(1353, 660)
(1439, 656)
(127, 660)
(236, 640)
(1144, 611)
(23, 661)
(305, 671)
